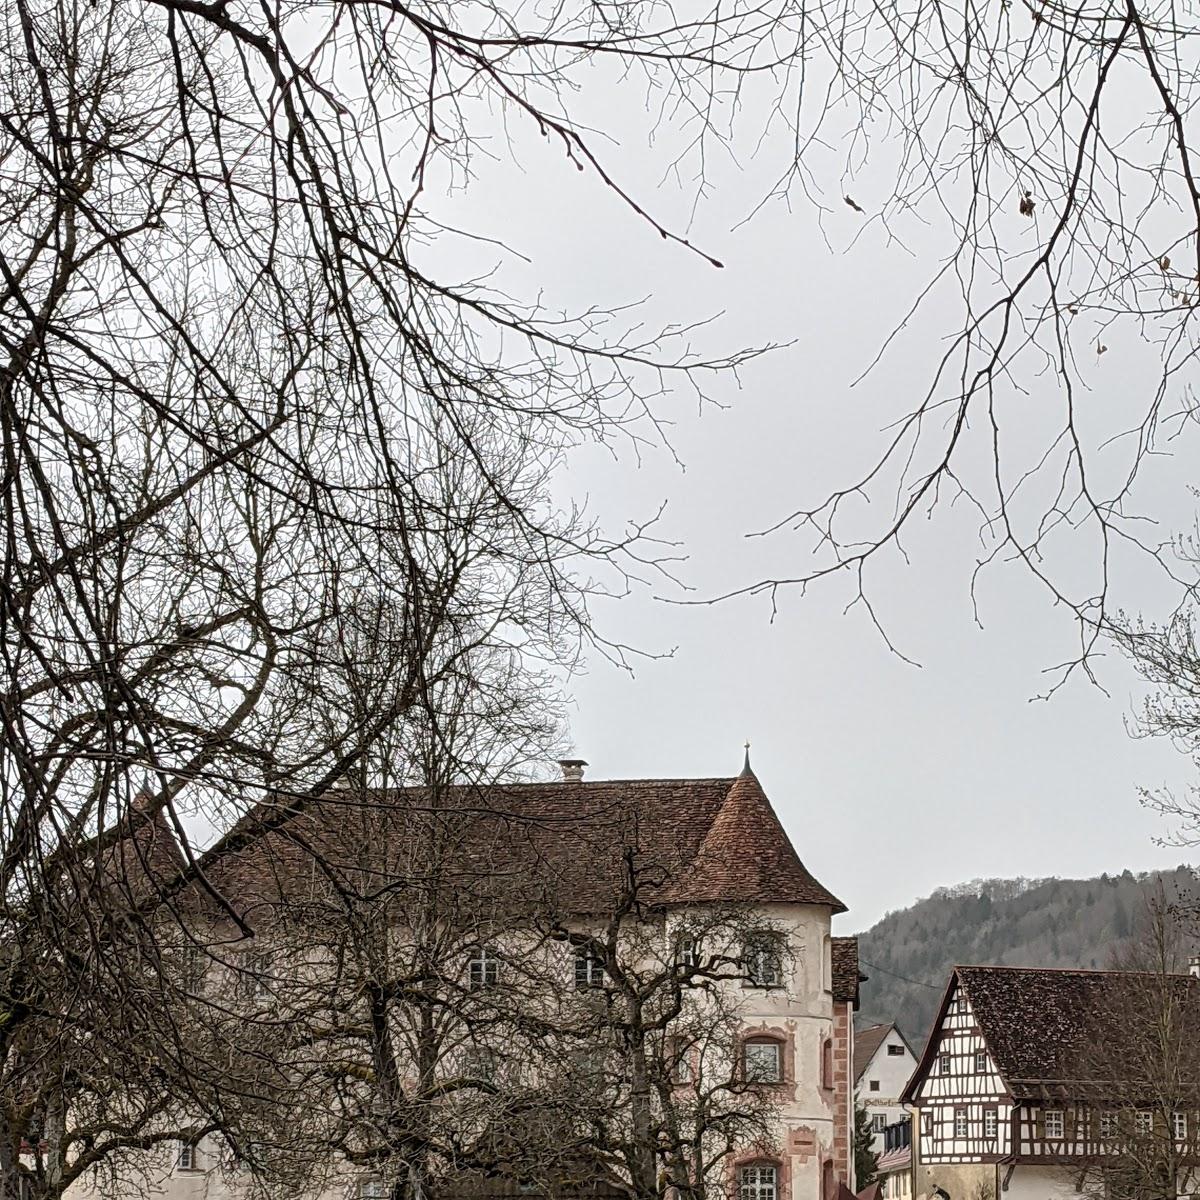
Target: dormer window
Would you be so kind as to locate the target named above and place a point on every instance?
(589, 966)
(483, 967)
(762, 960)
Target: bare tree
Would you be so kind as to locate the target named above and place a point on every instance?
(1140, 1068)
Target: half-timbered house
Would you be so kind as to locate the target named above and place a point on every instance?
(1009, 1101)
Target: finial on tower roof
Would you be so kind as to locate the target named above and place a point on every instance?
(746, 768)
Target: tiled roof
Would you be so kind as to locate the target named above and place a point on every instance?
(866, 1042)
(698, 839)
(846, 975)
(747, 856)
(1040, 1024)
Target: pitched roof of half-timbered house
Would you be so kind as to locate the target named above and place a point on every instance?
(1039, 1023)
(693, 841)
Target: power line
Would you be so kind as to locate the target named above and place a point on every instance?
(933, 987)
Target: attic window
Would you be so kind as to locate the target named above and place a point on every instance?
(980, 1061)
(944, 1064)
(895, 1051)
(589, 966)
(873, 1086)
(763, 960)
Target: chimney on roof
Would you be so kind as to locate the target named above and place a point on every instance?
(572, 769)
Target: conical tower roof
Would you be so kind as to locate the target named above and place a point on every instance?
(747, 857)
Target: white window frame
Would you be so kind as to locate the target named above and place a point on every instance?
(1143, 1121)
(1179, 1126)
(770, 1068)
(991, 1123)
(945, 1062)
(962, 1123)
(483, 967)
(689, 952)
(589, 966)
(372, 1189)
(188, 1158)
(878, 1122)
(1054, 1124)
(758, 1181)
(1108, 1126)
(980, 1062)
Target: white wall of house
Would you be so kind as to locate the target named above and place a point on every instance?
(1041, 1183)
(800, 1010)
(882, 1080)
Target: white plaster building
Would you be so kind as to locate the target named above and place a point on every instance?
(883, 1064)
(718, 842)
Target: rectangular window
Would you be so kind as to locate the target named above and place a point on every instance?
(1143, 1121)
(763, 960)
(991, 1123)
(878, 1122)
(189, 1159)
(895, 1051)
(928, 1120)
(372, 1189)
(943, 1064)
(480, 1064)
(759, 1182)
(960, 1122)
(483, 968)
(689, 953)
(980, 1062)
(761, 1062)
(1179, 1126)
(1108, 1126)
(1052, 1123)
(873, 1085)
(589, 966)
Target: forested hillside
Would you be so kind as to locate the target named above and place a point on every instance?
(1019, 922)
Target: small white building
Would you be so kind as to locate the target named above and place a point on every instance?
(883, 1064)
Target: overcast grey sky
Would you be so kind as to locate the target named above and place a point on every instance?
(891, 779)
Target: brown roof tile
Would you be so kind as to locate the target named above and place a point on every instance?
(701, 839)
(866, 1042)
(846, 975)
(747, 856)
(1039, 1023)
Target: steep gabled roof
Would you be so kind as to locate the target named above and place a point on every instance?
(1039, 1023)
(697, 840)
(866, 1043)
